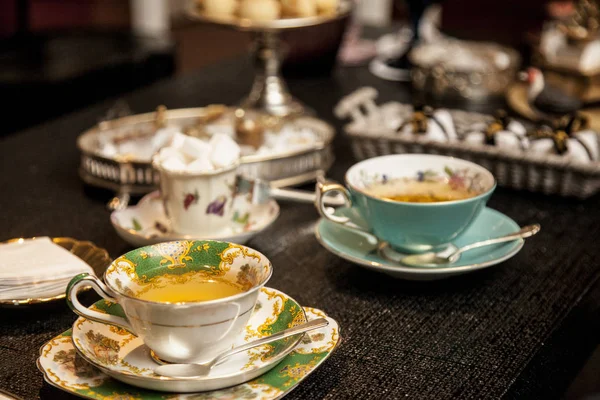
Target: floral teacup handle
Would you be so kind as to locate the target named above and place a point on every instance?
(84, 280)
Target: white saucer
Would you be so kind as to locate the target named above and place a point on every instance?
(125, 357)
(146, 223)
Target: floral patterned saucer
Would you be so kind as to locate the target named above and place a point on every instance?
(146, 223)
(64, 368)
(124, 356)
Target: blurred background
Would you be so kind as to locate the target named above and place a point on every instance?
(89, 50)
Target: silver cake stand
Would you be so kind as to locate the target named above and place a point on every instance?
(269, 91)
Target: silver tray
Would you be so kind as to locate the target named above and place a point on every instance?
(135, 177)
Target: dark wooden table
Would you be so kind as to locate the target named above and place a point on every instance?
(523, 329)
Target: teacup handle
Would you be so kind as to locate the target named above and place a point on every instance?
(329, 186)
(83, 280)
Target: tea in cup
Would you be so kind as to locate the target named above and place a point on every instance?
(197, 183)
(414, 202)
(187, 300)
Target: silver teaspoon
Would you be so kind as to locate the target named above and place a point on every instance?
(190, 371)
(432, 259)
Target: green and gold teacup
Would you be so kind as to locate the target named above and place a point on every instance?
(414, 202)
(187, 300)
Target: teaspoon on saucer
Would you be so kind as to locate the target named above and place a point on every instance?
(433, 259)
(190, 371)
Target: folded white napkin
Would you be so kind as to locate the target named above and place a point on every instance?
(36, 266)
(37, 291)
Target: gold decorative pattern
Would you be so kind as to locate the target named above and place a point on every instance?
(122, 332)
(271, 294)
(297, 371)
(315, 311)
(55, 342)
(299, 318)
(64, 384)
(267, 389)
(203, 247)
(175, 253)
(95, 308)
(263, 353)
(330, 345)
(228, 257)
(115, 396)
(80, 321)
(104, 348)
(123, 264)
(98, 386)
(261, 331)
(133, 369)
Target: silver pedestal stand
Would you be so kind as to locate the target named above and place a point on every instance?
(269, 91)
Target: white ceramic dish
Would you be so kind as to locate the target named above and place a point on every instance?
(146, 223)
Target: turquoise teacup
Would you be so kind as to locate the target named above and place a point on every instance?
(410, 226)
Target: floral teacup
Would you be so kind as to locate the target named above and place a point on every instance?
(411, 226)
(179, 332)
(198, 203)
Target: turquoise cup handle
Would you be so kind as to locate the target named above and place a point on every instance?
(322, 189)
(84, 280)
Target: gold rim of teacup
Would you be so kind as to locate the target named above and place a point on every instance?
(202, 302)
(433, 204)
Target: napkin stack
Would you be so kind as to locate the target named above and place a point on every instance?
(190, 154)
(36, 268)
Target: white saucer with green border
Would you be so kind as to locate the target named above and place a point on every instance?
(125, 357)
(64, 368)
